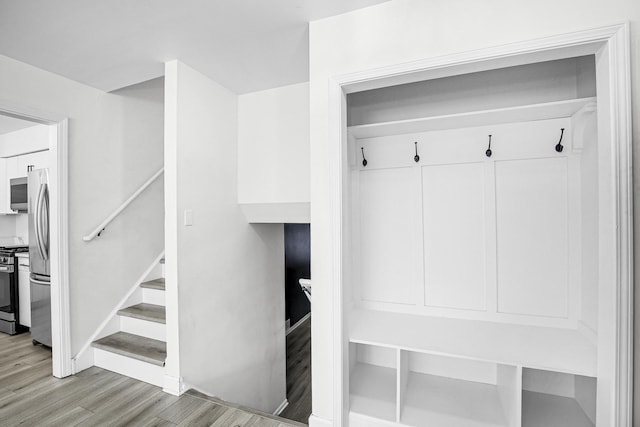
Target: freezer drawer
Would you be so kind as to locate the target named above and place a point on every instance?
(41, 312)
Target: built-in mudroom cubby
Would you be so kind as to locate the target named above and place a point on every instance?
(472, 249)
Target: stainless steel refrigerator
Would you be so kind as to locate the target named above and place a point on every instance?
(38, 208)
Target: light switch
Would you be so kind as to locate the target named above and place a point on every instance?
(188, 217)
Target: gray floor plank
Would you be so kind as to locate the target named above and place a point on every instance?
(157, 422)
(67, 397)
(204, 416)
(299, 374)
(180, 410)
(69, 418)
(119, 411)
(147, 410)
(234, 417)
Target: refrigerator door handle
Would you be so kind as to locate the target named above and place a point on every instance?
(44, 221)
(37, 225)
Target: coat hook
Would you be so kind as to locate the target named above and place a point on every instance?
(488, 152)
(364, 160)
(416, 158)
(559, 146)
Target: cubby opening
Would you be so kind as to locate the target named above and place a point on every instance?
(447, 392)
(372, 381)
(554, 399)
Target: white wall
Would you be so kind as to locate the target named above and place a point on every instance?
(22, 227)
(115, 144)
(27, 140)
(8, 225)
(273, 145)
(400, 31)
(229, 275)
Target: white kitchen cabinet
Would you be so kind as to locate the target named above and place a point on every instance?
(16, 166)
(39, 160)
(24, 290)
(470, 295)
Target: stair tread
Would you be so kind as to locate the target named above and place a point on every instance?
(134, 346)
(144, 311)
(157, 284)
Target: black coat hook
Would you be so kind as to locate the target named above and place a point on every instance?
(364, 160)
(489, 152)
(416, 158)
(559, 146)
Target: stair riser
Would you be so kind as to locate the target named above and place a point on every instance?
(153, 296)
(133, 368)
(145, 328)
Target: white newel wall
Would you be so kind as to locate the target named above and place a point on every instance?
(407, 30)
(223, 276)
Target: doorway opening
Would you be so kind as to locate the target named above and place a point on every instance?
(33, 234)
(297, 261)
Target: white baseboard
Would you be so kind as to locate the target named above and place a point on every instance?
(173, 385)
(298, 323)
(319, 422)
(282, 407)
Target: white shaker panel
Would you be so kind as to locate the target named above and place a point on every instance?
(387, 235)
(454, 236)
(532, 241)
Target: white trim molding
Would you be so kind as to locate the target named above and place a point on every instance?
(174, 385)
(58, 173)
(281, 408)
(612, 43)
(298, 323)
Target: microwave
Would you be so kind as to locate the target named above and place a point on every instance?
(19, 194)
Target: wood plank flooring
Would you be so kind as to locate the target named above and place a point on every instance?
(30, 396)
(299, 373)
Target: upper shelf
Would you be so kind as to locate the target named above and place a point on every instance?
(549, 110)
(554, 349)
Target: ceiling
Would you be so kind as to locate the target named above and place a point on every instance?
(9, 124)
(245, 45)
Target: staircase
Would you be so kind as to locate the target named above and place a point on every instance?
(139, 348)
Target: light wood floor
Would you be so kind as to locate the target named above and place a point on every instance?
(299, 373)
(30, 396)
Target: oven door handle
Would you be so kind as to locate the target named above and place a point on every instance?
(6, 269)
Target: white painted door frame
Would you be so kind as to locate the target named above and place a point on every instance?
(59, 229)
(611, 47)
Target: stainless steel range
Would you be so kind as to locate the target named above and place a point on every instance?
(9, 313)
